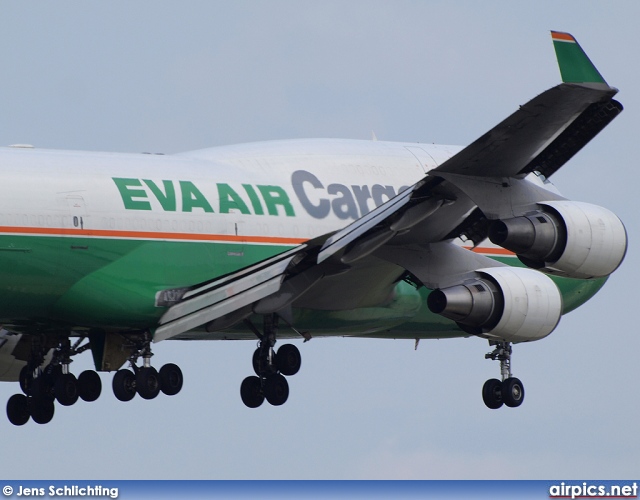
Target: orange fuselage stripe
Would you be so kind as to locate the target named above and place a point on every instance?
(149, 235)
(491, 251)
(157, 235)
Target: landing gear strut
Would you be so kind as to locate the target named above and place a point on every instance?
(509, 390)
(270, 367)
(145, 380)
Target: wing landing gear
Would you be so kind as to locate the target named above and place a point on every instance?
(508, 391)
(270, 367)
(145, 380)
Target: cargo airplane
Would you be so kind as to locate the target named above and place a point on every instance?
(110, 253)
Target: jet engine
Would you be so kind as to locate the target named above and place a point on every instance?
(569, 238)
(502, 303)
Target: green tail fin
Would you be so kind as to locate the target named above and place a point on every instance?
(575, 66)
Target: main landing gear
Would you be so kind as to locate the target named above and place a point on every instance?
(145, 380)
(42, 387)
(510, 390)
(270, 367)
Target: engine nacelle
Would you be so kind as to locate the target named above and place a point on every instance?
(568, 238)
(502, 303)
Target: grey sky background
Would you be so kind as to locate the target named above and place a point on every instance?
(174, 76)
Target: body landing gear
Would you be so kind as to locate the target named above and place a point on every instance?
(270, 367)
(510, 390)
(43, 386)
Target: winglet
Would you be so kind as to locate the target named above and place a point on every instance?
(575, 66)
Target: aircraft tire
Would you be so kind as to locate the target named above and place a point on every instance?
(66, 389)
(42, 410)
(512, 392)
(26, 379)
(492, 393)
(255, 361)
(18, 409)
(42, 388)
(288, 359)
(261, 365)
(148, 382)
(251, 392)
(89, 386)
(276, 390)
(124, 385)
(171, 379)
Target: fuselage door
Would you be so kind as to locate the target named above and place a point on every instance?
(77, 211)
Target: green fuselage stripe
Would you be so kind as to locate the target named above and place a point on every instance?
(112, 284)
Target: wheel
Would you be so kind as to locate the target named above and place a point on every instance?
(288, 359)
(170, 379)
(42, 410)
(276, 390)
(18, 409)
(261, 366)
(255, 361)
(89, 385)
(42, 387)
(66, 389)
(492, 393)
(26, 379)
(251, 392)
(124, 385)
(512, 392)
(148, 382)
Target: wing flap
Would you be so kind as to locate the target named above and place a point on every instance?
(577, 135)
(211, 300)
(217, 310)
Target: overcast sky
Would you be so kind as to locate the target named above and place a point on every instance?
(174, 76)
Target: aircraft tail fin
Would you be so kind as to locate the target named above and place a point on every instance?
(575, 65)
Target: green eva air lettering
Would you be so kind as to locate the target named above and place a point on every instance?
(274, 196)
(129, 193)
(193, 198)
(167, 198)
(185, 196)
(230, 200)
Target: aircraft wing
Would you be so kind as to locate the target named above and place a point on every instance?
(547, 131)
(413, 230)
